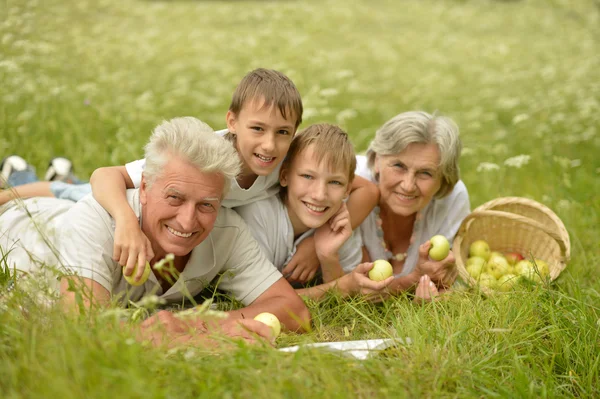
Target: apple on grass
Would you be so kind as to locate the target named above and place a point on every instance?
(381, 270)
(440, 247)
(131, 279)
(497, 266)
(480, 248)
(526, 269)
(507, 282)
(487, 280)
(475, 266)
(271, 320)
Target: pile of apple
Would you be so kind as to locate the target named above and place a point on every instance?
(502, 271)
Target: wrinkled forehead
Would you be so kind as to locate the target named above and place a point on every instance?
(416, 155)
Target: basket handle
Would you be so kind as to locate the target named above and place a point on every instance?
(518, 218)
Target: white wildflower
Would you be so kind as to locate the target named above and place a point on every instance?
(467, 151)
(344, 73)
(518, 161)
(485, 166)
(346, 114)
(575, 163)
(331, 92)
(563, 204)
(310, 113)
(520, 118)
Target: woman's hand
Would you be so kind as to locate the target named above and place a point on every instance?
(131, 247)
(442, 273)
(426, 290)
(357, 282)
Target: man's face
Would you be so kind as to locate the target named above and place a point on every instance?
(180, 208)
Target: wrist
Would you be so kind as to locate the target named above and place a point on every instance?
(328, 259)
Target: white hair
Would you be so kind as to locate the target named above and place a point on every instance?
(196, 142)
(420, 127)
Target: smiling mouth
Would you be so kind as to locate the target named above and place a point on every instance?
(314, 208)
(264, 159)
(406, 197)
(178, 233)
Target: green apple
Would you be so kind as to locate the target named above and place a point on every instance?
(495, 253)
(507, 282)
(381, 270)
(440, 247)
(480, 248)
(497, 266)
(487, 280)
(271, 320)
(527, 269)
(513, 257)
(475, 266)
(131, 279)
(543, 268)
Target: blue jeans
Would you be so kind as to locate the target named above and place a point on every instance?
(72, 192)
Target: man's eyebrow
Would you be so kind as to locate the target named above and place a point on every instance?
(175, 191)
(211, 199)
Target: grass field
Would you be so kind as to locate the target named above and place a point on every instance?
(89, 79)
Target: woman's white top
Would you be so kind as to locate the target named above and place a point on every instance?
(441, 216)
(263, 186)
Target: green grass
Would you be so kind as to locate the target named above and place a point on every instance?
(89, 79)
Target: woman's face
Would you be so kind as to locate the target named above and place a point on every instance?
(410, 179)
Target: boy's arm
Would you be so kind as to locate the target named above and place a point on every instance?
(109, 186)
(364, 196)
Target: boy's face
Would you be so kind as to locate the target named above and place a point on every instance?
(263, 136)
(314, 191)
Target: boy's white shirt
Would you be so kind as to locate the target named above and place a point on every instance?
(263, 186)
(270, 224)
(441, 216)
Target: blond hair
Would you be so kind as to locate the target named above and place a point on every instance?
(272, 87)
(420, 127)
(331, 144)
(193, 140)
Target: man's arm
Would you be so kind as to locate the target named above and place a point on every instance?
(81, 294)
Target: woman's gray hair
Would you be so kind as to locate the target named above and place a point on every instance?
(420, 127)
(194, 141)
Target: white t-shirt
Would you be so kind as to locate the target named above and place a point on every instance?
(270, 224)
(263, 186)
(440, 216)
(84, 237)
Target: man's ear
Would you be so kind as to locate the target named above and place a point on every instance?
(283, 176)
(143, 190)
(231, 120)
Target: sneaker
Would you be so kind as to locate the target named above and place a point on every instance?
(13, 163)
(60, 169)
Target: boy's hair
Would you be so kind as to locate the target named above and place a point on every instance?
(331, 144)
(194, 141)
(274, 87)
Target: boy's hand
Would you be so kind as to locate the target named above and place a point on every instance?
(330, 237)
(304, 264)
(131, 247)
(442, 273)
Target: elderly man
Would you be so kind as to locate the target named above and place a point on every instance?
(188, 172)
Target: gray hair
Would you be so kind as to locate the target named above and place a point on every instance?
(196, 142)
(420, 127)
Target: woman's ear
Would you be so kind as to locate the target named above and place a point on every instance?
(143, 190)
(376, 164)
(231, 119)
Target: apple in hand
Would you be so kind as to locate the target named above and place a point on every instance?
(507, 282)
(271, 320)
(131, 279)
(497, 266)
(513, 257)
(440, 248)
(475, 266)
(480, 248)
(381, 270)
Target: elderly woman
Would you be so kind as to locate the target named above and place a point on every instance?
(414, 161)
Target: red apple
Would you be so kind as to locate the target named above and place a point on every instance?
(513, 257)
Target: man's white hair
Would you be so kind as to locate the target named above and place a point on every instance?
(194, 141)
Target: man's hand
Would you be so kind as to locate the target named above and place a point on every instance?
(166, 328)
(330, 237)
(442, 273)
(131, 246)
(304, 264)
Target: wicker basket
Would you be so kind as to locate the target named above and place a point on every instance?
(514, 224)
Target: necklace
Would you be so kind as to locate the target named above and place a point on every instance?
(399, 256)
